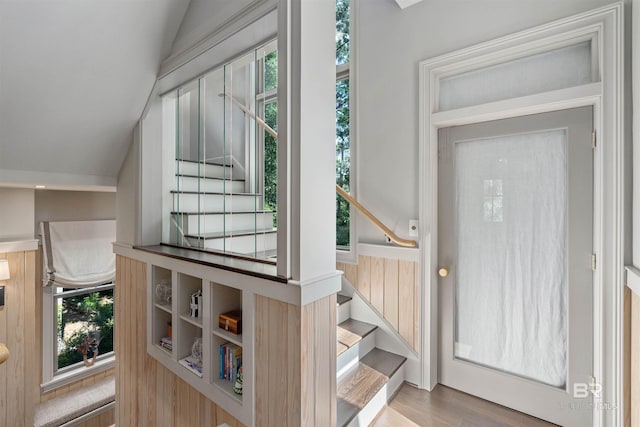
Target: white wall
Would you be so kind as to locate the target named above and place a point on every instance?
(16, 214)
(202, 18)
(52, 205)
(127, 197)
(391, 43)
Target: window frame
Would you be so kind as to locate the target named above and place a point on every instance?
(52, 377)
(263, 97)
(348, 70)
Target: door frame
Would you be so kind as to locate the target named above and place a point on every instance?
(604, 27)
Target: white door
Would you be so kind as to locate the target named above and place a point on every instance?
(515, 255)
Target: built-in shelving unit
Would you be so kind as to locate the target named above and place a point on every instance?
(175, 329)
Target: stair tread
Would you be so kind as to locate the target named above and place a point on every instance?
(383, 361)
(342, 299)
(223, 213)
(215, 193)
(269, 254)
(358, 386)
(206, 163)
(341, 348)
(352, 331)
(222, 234)
(186, 175)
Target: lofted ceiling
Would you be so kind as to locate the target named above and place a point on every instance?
(74, 79)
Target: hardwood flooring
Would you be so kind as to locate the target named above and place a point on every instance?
(446, 407)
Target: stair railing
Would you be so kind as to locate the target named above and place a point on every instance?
(371, 217)
(364, 211)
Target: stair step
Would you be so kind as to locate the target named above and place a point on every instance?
(208, 185)
(205, 223)
(208, 170)
(215, 202)
(343, 310)
(228, 234)
(343, 299)
(341, 348)
(351, 331)
(206, 162)
(360, 387)
(244, 243)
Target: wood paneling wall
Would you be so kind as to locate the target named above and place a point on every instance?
(391, 286)
(295, 363)
(148, 394)
(21, 331)
(17, 331)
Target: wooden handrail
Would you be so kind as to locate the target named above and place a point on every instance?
(251, 114)
(371, 217)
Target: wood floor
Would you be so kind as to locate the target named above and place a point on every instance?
(447, 407)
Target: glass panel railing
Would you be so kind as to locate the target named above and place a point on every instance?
(224, 198)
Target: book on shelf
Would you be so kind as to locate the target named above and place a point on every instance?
(190, 362)
(230, 361)
(166, 343)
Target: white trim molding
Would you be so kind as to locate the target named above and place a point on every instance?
(604, 27)
(390, 252)
(19, 246)
(633, 279)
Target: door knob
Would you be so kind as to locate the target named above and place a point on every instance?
(443, 272)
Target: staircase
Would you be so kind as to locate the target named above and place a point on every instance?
(212, 211)
(368, 377)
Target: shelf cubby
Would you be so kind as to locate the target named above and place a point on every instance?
(162, 309)
(221, 383)
(161, 321)
(174, 309)
(223, 300)
(189, 285)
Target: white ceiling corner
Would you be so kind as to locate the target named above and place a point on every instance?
(406, 3)
(74, 79)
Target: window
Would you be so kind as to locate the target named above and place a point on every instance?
(267, 101)
(492, 200)
(77, 333)
(343, 123)
(222, 129)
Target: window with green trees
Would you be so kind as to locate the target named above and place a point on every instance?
(84, 325)
(343, 152)
(270, 116)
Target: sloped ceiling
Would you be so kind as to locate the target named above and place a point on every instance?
(74, 78)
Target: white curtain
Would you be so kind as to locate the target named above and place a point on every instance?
(78, 253)
(511, 251)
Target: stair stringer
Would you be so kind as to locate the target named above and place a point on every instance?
(387, 338)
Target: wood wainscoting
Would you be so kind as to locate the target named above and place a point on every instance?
(148, 394)
(21, 331)
(391, 286)
(18, 322)
(295, 363)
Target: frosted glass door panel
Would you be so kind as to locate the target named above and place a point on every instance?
(511, 239)
(556, 69)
